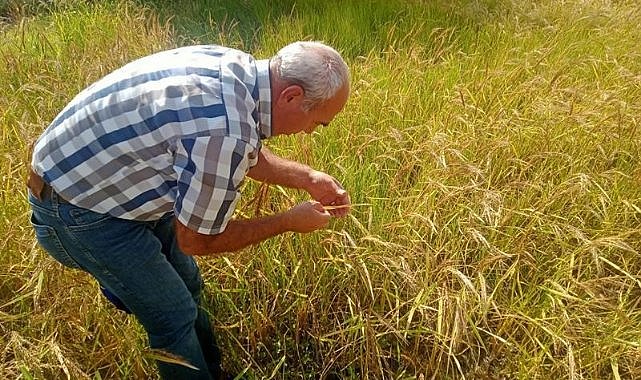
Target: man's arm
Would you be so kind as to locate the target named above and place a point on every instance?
(240, 233)
(276, 170)
(322, 187)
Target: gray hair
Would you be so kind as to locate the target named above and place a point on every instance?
(317, 68)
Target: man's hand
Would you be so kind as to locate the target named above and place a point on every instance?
(307, 217)
(322, 187)
(329, 192)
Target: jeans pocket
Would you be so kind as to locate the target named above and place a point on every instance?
(50, 242)
(83, 217)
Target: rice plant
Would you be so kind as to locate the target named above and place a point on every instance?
(492, 147)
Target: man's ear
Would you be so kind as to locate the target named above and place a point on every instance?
(291, 95)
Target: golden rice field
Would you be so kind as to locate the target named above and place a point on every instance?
(493, 145)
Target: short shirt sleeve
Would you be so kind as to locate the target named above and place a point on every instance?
(210, 171)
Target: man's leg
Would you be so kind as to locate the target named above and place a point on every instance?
(126, 257)
(188, 270)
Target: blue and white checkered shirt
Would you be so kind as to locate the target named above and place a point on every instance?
(172, 132)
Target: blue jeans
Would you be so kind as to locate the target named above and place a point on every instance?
(139, 263)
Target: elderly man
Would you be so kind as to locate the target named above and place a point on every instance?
(142, 170)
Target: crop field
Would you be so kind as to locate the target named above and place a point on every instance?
(493, 149)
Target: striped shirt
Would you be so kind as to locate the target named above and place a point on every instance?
(175, 131)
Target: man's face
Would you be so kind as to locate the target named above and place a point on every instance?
(289, 116)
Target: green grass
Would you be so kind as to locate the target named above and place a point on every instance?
(495, 142)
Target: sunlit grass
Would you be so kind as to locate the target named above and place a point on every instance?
(53, 324)
(495, 146)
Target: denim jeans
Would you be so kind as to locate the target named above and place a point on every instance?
(139, 263)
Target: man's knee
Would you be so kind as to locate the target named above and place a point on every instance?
(172, 327)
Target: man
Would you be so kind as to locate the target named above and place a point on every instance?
(142, 170)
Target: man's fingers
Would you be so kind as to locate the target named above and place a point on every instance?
(319, 207)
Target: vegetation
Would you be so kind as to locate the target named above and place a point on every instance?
(495, 144)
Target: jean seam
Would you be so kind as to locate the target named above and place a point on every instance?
(85, 250)
(53, 235)
(89, 226)
(75, 217)
(42, 209)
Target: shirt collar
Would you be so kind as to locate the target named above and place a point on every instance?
(264, 98)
